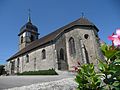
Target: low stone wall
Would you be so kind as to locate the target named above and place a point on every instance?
(64, 84)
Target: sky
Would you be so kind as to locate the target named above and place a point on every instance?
(49, 15)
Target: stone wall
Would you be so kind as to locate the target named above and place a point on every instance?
(60, 44)
(35, 60)
(88, 38)
(72, 60)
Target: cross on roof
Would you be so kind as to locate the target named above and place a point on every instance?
(29, 15)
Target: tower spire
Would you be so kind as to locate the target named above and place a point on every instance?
(29, 16)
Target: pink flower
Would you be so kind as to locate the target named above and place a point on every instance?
(115, 38)
(76, 68)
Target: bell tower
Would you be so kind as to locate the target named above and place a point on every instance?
(28, 33)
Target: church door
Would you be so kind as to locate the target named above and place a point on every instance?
(62, 62)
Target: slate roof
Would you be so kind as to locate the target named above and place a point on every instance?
(28, 27)
(42, 41)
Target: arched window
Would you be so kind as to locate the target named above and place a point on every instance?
(21, 39)
(61, 54)
(18, 62)
(27, 58)
(72, 46)
(32, 38)
(12, 65)
(43, 54)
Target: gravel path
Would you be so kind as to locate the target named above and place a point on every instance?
(64, 84)
(18, 81)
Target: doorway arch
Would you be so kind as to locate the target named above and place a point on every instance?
(62, 62)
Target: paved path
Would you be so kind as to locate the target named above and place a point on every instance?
(17, 81)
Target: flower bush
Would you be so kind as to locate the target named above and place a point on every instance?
(108, 76)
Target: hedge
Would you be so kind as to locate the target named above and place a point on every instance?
(40, 72)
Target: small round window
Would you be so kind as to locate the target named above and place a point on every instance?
(86, 36)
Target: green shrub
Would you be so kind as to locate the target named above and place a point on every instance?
(2, 70)
(40, 72)
(108, 77)
(87, 78)
(110, 69)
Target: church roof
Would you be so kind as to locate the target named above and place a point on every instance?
(50, 37)
(28, 27)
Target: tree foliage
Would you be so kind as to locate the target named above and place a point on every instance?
(2, 70)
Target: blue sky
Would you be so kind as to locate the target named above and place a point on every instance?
(49, 15)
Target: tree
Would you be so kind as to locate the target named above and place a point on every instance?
(2, 70)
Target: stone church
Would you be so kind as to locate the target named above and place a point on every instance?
(75, 42)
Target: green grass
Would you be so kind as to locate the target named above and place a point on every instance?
(40, 72)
